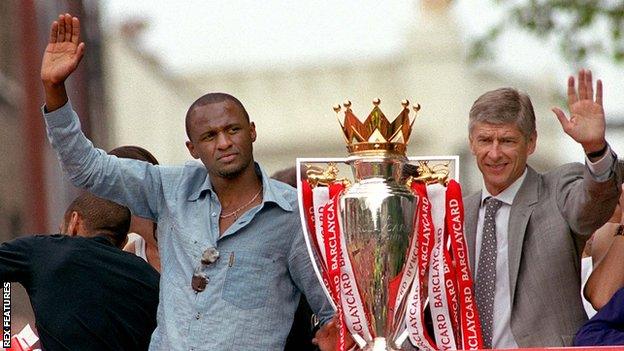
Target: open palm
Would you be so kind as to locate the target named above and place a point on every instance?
(586, 124)
(64, 50)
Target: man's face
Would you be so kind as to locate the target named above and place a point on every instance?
(221, 137)
(501, 152)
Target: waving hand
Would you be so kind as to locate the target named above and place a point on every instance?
(61, 58)
(586, 124)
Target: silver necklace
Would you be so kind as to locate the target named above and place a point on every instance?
(235, 212)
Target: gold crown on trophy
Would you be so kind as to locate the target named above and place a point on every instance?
(376, 134)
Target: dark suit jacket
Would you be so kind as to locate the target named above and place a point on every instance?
(551, 217)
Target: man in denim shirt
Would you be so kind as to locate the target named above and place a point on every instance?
(226, 208)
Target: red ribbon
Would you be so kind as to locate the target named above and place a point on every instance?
(423, 226)
(470, 324)
(457, 276)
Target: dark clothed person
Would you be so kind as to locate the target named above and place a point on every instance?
(86, 294)
(606, 327)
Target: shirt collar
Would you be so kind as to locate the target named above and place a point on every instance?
(269, 193)
(507, 196)
(102, 238)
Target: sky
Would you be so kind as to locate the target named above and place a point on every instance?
(200, 35)
(253, 33)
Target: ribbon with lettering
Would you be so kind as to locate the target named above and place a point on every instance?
(320, 198)
(470, 324)
(332, 245)
(450, 283)
(408, 275)
(355, 316)
(437, 254)
(314, 199)
(323, 216)
(438, 299)
(414, 314)
(308, 206)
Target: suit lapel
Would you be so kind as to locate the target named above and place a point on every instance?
(521, 210)
(471, 217)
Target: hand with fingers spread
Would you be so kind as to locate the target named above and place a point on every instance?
(61, 58)
(586, 124)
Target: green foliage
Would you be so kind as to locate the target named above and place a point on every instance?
(574, 24)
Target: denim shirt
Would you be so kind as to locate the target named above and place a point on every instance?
(254, 287)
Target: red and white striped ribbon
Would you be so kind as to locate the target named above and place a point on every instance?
(470, 325)
(414, 314)
(438, 301)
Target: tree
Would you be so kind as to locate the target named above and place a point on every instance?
(573, 24)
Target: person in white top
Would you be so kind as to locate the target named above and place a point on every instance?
(142, 239)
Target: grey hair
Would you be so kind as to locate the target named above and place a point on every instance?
(504, 106)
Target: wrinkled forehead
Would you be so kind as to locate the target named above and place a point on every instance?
(485, 129)
(215, 115)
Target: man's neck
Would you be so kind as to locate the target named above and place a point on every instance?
(231, 190)
(508, 194)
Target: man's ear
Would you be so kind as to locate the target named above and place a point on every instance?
(191, 149)
(74, 223)
(471, 143)
(252, 131)
(532, 143)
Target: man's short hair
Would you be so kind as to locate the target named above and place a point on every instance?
(101, 217)
(135, 153)
(212, 98)
(504, 106)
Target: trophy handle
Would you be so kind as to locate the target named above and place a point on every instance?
(314, 256)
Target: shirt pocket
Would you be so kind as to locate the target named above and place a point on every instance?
(247, 279)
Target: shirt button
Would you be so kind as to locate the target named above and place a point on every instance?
(197, 316)
(214, 214)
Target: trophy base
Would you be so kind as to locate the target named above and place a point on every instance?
(380, 344)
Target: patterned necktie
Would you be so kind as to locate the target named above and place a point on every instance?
(486, 273)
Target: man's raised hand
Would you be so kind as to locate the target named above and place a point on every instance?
(64, 50)
(61, 57)
(586, 124)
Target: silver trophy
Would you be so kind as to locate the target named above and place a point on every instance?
(377, 214)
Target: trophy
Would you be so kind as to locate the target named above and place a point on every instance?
(375, 239)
